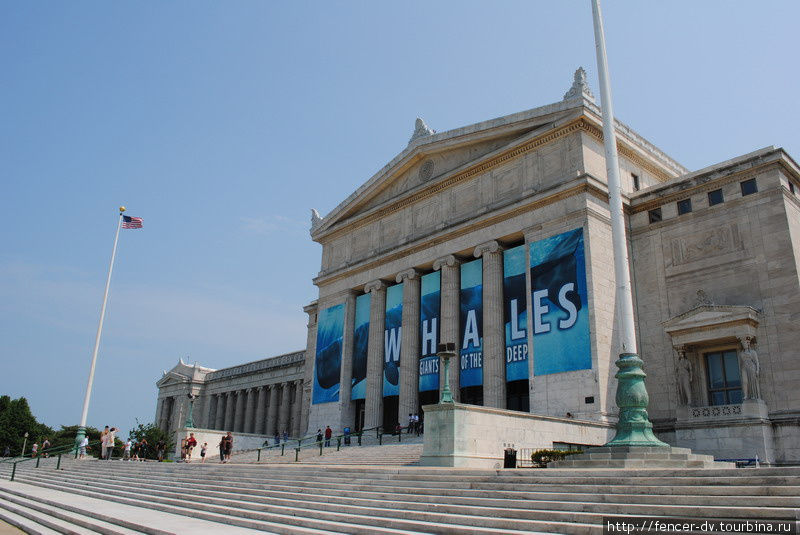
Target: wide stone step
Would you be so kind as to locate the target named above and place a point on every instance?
(27, 521)
(518, 499)
(518, 519)
(344, 522)
(390, 521)
(751, 476)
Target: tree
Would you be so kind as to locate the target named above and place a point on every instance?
(153, 434)
(16, 420)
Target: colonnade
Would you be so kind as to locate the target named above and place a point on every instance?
(494, 379)
(263, 410)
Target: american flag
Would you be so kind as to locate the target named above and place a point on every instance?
(131, 222)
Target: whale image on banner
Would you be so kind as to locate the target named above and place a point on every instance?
(328, 359)
(360, 344)
(392, 335)
(560, 304)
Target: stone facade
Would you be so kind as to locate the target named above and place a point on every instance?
(715, 258)
(258, 398)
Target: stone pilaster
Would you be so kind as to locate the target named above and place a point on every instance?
(261, 405)
(494, 364)
(239, 411)
(219, 421)
(450, 296)
(308, 375)
(373, 404)
(283, 418)
(296, 408)
(272, 411)
(229, 401)
(409, 345)
(346, 378)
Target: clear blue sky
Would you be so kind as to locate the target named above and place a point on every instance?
(223, 123)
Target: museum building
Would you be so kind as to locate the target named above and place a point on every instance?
(497, 237)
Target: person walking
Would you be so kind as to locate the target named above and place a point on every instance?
(319, 436)
(126, 450)
(103, 442)
(45, 446)
(203, 450)
(222, 442)
(191, 442)
(110, 438)
(82, 448)
(143, 449)
(161, 446)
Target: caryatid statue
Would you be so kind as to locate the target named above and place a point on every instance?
(750, 370)
(684, 373)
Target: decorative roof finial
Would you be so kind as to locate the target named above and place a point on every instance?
(315, 218)
(421, 130)
(580, 86)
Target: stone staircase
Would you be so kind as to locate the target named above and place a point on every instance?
(303, 498)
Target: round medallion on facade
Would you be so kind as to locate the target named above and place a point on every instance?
(426, 170)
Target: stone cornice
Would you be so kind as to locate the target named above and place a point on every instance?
(260, 365)
(584, 187)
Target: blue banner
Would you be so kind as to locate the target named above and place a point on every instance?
(360, 345)
(429, 324)
(560, 305)
(471, 349)
(328, 358)
(515, 313)
(392, 336)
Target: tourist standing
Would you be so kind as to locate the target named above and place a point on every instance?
(328, 435)
(143, 449)
(285, 436)
(203, 450)
(35, 449)
(277, 438)
(45, 445)
(82, 448)
(126, 450)
(160, 447)
(222, 442)
(110, 438)
(228, 446)
(103, 434)
(319, 436)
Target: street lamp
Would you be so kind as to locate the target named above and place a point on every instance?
(24, 443)
(446, 351)
(189, 419)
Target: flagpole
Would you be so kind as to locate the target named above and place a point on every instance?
(82, 427)
(633, 426)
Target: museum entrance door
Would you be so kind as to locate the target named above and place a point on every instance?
(359, 419)
(390, 406)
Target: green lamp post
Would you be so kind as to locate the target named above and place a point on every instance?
(189, 420)
(446, 352)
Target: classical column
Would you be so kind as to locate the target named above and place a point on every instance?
(494, 364)
(229, 400)
(219, 421)
(210, 407)
(450, 298)
(272, 411)
(261, 405)
(239, 411)
(283, 418)
(298, 402)
(346, 380)
(250, 411)
(373, 404)
(409, 345)
(308, 375)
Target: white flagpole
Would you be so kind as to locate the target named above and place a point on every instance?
(627, 332)
(82, 428)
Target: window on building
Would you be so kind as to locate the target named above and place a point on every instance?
(724, 380)
(715, 197)
(749, 187)
(654, 215)
(636, 184)
(684, 206)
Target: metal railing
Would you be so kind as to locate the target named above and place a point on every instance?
(50, 453)
(346, 439)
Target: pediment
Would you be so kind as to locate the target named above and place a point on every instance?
(172, 378)
(709, 323)
(430, 160)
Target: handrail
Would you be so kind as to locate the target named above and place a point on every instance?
(379, 434)
(48, 451)
(56, 453)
